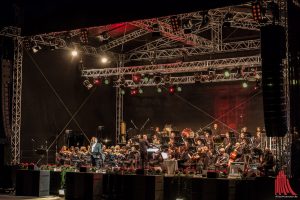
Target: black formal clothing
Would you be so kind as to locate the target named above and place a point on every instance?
(144, 145)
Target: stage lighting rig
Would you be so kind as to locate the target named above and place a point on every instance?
(171, 89)
(159, 90)
(175, 23)
(36, 48)
(155, 30)
(257, 11)
(227, 19)
(211, 74)
(226, 73)
(106, 81)
(136, 78)
(187, 26)
(27, 44)
(178, 88)
(104, 59)
(74, 53)
(87, 84)
(167, 78)
(245, 84)
(84, 36)
(141, 91)
(97, 81)
(146, 78)
(134, 91)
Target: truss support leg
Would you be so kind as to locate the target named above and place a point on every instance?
(16, 101)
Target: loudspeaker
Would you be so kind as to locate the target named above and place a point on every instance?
(212, 175)
(84, 169)
(273, 52)
(140, 171)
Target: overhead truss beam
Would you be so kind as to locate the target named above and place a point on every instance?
(181, 80)
(192, 51)
(180, 67)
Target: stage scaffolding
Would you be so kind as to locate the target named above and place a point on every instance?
(161, 48)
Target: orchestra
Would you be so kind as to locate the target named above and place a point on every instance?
(202, 150)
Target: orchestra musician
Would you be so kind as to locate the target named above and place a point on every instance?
(222, 159)
(215, 130)
(155, 140)
(96, 153)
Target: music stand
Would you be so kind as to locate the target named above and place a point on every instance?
(236, 169)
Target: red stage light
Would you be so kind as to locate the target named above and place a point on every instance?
(136, 78)
(134, 92)
(171, 89)
(97, 81)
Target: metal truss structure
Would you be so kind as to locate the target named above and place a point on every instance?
(197, 78)
(119, 105)
(15, 34)
(17, 97)
(193, 51)
(205, 39)
(181, 67)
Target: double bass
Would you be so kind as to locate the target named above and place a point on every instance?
(234, 154)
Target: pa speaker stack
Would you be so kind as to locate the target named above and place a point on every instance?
(273, 51)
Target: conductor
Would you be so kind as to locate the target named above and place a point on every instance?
(144, 144)
(96, 152)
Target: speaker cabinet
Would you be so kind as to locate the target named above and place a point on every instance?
(273, 52)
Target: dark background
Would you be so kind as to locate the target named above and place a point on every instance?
(36, 16)
(44, 116)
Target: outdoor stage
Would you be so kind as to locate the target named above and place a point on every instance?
(82, 185)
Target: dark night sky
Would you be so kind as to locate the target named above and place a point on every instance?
(45, 16)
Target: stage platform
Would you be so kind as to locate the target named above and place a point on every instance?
(13, 197)
(100, 186)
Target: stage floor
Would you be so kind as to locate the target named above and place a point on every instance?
(4, 197)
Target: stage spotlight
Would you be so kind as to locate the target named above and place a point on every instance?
(167, 78)
(211, 74)
(74, 53)
(257, 84)
(123, 92)
(227, 19)
(141, 91)
(156, 31)
(245, 84)
(205, 19)
(106, 81)
(187, 26)
(159, 90)
(36, 48)
(179, 89)
(87, 84)
(146, 78)
(84, 36)
(97, 81)
(104, 60)
(136, 78)
(171, 89)
(134, 91)
(226, 73)
(256, 11)
(27, 44)
(175, 23)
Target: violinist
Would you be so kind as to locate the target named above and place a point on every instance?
(222, 159)
(227, 143)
